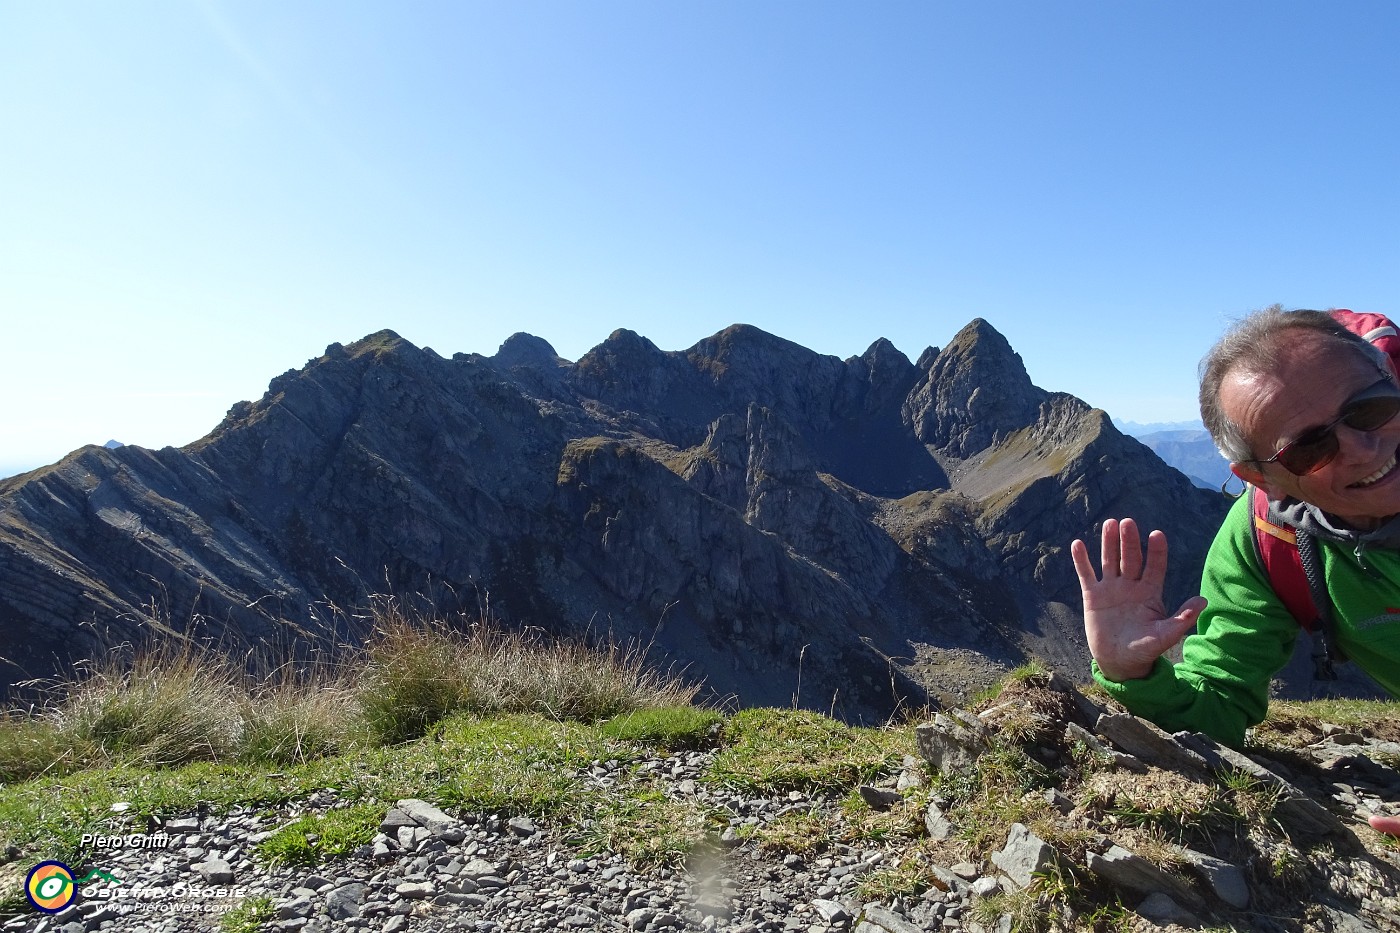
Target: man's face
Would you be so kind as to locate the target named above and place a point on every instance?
(1315, 377)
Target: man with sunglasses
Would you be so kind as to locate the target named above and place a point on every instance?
(1305, 411)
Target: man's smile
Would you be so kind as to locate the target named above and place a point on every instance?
(1377, 476)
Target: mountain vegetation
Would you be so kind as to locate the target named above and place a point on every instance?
(1046, 819)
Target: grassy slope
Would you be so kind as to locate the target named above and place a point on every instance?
(484, 722)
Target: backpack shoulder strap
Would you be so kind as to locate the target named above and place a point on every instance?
(1378, 329)
(1290, 559)
(1277, 548)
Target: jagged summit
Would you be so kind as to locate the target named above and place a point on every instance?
(522, 349)
(379, 340)
(883, 350)
(728, 504)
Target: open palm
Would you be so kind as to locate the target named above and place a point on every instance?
(1125, 620)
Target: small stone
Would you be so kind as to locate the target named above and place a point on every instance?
(1129, 870)
(1159, 908)
(1226, 880)
(879, 798)
(641, 918)
(414, 890)
(394, 820)
(429, 816)
(298, 906)
(884, 920)
(215, 871)
(986, 886)
(344, 902)
(1024, 855)
(101, 915)
(938, 825)
(831, 911)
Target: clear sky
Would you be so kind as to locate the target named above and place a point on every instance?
(196, 195)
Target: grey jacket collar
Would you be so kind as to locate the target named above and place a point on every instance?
(1318, 523)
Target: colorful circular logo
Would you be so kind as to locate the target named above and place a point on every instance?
(50, 887)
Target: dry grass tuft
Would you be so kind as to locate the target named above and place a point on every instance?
(418, 671)
(178, 701)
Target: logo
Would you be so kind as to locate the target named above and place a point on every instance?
(50, 887)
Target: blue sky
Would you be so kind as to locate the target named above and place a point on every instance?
(198, 196)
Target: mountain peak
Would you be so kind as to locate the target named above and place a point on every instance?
(381, 341)
(976, 391)
(522, 349)
(883, 353)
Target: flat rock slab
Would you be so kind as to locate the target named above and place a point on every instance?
(1299, 812)
(1024, 855)
(1136, 873)
(1142, 739)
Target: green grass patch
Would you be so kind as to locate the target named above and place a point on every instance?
(668, 727)
(909, 876)
(177, 701)
(34, 746)
(996, 792)
(293, 724)
(776, 750)
(171, 706)
(865, 824)
(521, 764)
(648, 828)
(798, 832)
(249, 916)
(316, 838)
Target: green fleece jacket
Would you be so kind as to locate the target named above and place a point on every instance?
(1245, 635)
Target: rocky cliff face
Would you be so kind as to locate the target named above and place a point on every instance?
(850, 534)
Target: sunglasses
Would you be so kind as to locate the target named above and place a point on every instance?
(1368, 410)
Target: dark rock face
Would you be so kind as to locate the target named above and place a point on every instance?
(850, 534)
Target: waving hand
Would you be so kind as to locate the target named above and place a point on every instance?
(1125, 621)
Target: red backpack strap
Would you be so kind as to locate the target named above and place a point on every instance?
(1277, 547)
(1376, 328)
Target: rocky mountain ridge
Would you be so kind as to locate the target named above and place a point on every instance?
(848, 535)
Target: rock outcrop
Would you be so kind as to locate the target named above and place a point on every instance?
(851, 535)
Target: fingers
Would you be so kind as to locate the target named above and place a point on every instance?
(1109, 549)
(1389, 825)
(1186, 616)
(1083, 564)
(1131, 548)
(1155, 570)
(1121, 554)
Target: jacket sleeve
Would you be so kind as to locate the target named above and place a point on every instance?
(1243, 638)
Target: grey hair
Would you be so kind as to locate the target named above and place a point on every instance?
(1255, 344)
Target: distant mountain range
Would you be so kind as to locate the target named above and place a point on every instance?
(1185, 445)
(851, 535)
(1135, 429)
(1193, 453)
